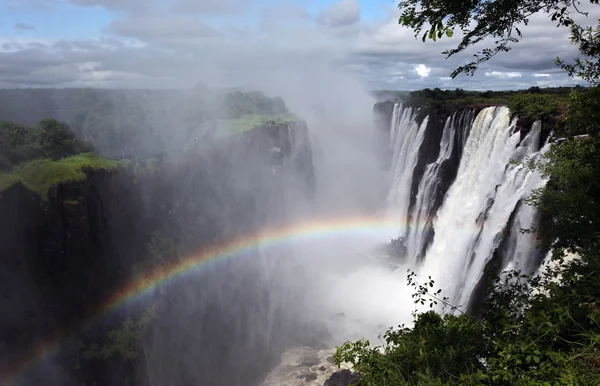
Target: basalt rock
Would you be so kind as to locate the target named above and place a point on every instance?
(342, 378)
(65, 257)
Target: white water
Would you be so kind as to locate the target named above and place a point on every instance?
(476, 209)
(406, 138)
(420, 220)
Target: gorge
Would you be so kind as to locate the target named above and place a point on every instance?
(253, 244)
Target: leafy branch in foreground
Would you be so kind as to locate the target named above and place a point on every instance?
(533, 330)
(479, 20)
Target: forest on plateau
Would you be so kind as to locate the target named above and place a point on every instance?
(532, 329)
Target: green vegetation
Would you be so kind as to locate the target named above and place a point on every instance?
(41, 175)
(122, 344)
(498, 20)
(49, 139)
(250, 121)
(583, 114)
(241, 104)
(536, 106)
(525, 101)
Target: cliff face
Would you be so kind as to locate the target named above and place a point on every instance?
(63, 257)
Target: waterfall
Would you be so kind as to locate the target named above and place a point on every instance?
(429, 190)
(481, 213)
(406, 138)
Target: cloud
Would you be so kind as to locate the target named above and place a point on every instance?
(422, 70)
(341, 13)
(211, 6)
(160, 45)
(24, 27)
(504, 75)
(120, 5)
(162, 28)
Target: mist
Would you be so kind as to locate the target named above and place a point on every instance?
(234, 320)
(229, 322)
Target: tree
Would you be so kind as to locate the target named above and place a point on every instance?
(588, 40)
(56, 138)
(499, 20)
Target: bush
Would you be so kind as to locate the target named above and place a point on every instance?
(536, 106)
(583, 116)
(50, 139)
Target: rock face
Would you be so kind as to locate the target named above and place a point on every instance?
(342, 378)
(64, 257)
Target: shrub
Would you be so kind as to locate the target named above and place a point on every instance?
(536, 106)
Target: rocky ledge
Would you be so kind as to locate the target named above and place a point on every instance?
(305, 366)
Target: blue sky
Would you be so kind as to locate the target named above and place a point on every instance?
(63, 20)
(175, 43)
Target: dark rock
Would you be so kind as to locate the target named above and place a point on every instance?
(341, 378)
(330, 359)
(322, 368)
(307, 377)
(65, 257)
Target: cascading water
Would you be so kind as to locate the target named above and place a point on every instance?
(420, 225)
(406, 138)
(473, 219)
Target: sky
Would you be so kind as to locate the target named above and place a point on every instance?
(180, 43)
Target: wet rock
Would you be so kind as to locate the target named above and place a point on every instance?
(307, 377)
(341, 378)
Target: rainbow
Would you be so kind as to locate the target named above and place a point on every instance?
(307, 230)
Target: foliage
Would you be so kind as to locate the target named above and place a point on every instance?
(536, 106)
(583, 115)
(125, 341)
(42, 175)
(464, 98)
(572, 196)
(239, 104)
(495, 19)
(249, 122)
(588, 67)
(533, 331)
(49, 139)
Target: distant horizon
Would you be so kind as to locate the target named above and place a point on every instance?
(253, 89)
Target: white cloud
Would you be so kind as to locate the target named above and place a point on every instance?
(422, 70)
(503, 75)
(542, 75)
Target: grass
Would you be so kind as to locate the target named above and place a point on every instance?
(41, 175)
